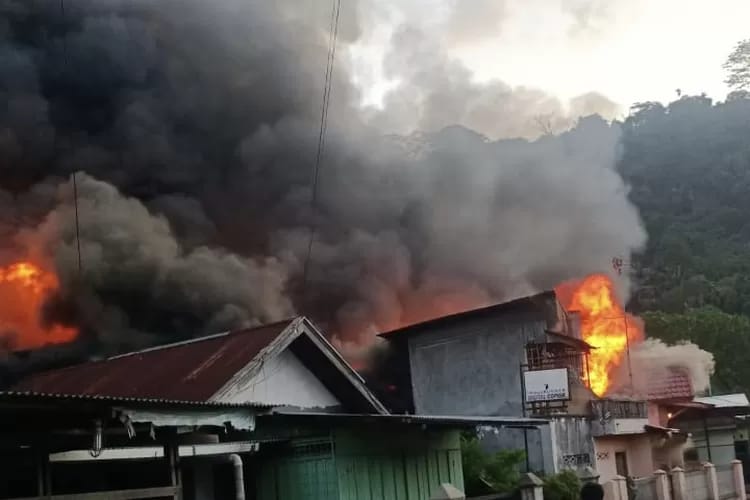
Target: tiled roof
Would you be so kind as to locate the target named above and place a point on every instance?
(191, 371)
(675, 384)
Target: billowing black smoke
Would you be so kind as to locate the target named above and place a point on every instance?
(193, 125)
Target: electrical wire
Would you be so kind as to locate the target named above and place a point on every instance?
(333, 35)
(73, 175)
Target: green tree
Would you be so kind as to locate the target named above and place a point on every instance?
(562, 486)
(489, 472)
(725, 335)
(737, 66)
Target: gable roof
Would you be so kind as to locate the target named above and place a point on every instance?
(199, 370)
(517, 305)
(675, 384)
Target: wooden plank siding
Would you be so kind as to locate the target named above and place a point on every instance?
(368, 465)
(391, 466)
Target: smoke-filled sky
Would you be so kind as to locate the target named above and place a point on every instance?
(628, 50)
(193, 127)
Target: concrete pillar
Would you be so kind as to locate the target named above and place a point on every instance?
(588, 475)
(172, 454)
(712, 484)
(662, 485)
(531, 487)
(611, 490)
(621, 488)
(738, 476)
(447, 491)
(43, 474)
(679, 484)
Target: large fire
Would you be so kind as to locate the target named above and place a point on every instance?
(604, 324)
(23, 288)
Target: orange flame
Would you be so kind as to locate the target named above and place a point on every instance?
(23, 288)
(604, 324)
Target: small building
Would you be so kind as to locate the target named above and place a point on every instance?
(712, 422)
(634, 437)
(519, 358)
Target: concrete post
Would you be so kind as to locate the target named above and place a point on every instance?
(531, 487)
(679, 484)
(662, 485)
(612, 490)
(447, 491)
(738, 476)
(620, 488)
(712, 484)
(588, 475)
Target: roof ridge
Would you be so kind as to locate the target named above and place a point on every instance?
(197, 339)
(157, 348)
(469, 312)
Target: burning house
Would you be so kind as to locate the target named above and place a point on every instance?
(563, 354)
(517, 358)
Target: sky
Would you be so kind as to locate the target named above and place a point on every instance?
(627, 50)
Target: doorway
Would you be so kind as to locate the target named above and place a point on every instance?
(621, 463)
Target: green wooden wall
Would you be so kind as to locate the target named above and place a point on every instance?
(406, 464)
(306, 472)
(391, 465)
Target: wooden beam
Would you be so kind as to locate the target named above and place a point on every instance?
(165, 491)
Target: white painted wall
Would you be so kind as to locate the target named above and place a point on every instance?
(283, 380)
(637, 449)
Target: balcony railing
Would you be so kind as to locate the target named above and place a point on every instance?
(612, 408)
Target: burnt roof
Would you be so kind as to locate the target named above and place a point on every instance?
(517, 305)
(187, 371)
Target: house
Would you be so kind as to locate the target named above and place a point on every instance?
(272, 412)
(632, 436)
(712, 422)
(519, 358)
(285, 363)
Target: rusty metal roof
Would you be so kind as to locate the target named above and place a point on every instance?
(33, 397)
(190, 371)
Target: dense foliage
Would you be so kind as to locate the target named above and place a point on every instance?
(688, 166)
(489, 472)
(562, 486)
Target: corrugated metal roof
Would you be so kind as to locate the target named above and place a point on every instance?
(674, 385)
(29, 396)
(513, 305)
(738, 400)
(445, 420)
(191, 371)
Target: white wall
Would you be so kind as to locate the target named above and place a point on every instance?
(637, 449)
(283, 380)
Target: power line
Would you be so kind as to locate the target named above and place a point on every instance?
(333, 35)
(75, 183)
(78, 228)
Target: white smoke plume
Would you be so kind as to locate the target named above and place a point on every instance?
(652, 362)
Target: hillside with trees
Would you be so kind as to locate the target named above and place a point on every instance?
(688, 166)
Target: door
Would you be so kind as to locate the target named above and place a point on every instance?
(621, 463)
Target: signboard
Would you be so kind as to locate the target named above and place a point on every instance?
(546, 385)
